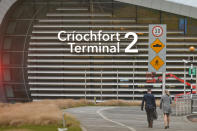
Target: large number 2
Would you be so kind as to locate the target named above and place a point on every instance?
(135, 38)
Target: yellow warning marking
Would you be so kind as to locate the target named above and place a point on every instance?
(157, 63)
(157, 45)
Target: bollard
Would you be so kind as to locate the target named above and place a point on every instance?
(191, 103)
(64, 124)
(95, 100)
(176, 107)
(63, 120)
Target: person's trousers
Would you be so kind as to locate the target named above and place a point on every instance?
(149, 113)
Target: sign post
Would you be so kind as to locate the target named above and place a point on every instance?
(157, 51)
(196, 83)
(192, 73)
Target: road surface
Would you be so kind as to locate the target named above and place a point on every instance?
(125, 119)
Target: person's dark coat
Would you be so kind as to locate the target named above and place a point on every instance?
(149, 100)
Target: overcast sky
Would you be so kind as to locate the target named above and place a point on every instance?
(186, 2)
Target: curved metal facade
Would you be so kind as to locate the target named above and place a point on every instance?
(48, 70)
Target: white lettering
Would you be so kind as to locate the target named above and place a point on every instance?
(97, 36)
(59, 35)
(71, 47)
(135, 38)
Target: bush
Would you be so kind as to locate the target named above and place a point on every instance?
(48, 112)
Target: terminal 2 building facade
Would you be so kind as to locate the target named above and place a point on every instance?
(36, 65)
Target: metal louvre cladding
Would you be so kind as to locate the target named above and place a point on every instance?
(52, 71)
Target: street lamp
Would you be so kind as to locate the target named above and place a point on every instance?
(185, 62)
(192, 48)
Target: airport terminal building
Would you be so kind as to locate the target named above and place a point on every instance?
(35, 64)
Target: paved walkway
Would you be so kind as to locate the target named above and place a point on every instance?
(125, 119)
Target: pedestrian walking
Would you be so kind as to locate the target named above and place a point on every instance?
(165, 105)
(150, 107)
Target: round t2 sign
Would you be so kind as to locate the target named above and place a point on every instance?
(157, 31)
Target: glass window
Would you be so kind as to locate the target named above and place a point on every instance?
(192, 26)
(6, 59)
(7, 44)
(7, 75)
(171, 20)
(124, 10)
(9, 91)
(147, 16)
(11, 28)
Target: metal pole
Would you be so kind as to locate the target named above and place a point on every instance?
(101, 85)
(191, 82)
(85, 84)
(196, 80)
(184, 79)
(191, 103)
(117, 85)
(163, 82)
(133, 81)
(191, 75)
(63, 120)
(185, 101)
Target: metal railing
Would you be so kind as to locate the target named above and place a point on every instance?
(183, 105)
(186, 104)
(194, 103)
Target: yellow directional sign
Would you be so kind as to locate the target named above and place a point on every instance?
(157, 45)
(157, 63)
